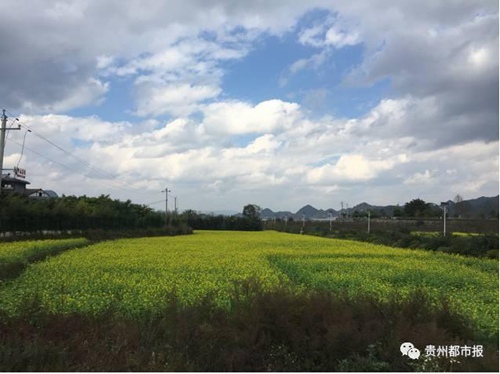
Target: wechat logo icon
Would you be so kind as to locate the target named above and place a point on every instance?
(408, 349)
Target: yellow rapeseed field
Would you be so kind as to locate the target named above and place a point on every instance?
(23, 250)
(137, 275)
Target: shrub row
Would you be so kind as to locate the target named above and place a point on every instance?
(483, 245)
(277, 330)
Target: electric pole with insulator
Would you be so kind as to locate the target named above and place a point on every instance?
(444, 207)
(3, 130)
(368, 222)
(166, 190)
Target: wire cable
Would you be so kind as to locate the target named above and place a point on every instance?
(87, 165)
(104, 174)
(22, 150)
(114, 182)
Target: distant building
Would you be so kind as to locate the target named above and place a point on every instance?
(38, 193)
(16, 185)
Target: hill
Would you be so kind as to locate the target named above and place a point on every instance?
(482, 207)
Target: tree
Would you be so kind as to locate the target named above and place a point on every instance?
(416, 208)
(462, 207)
(398, 212)
(20, 213)
(251, 215)
(251, 211)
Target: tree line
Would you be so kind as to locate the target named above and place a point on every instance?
(419, 209)
(20, 213)
(249, 220)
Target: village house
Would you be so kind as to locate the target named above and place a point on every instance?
(16, 185)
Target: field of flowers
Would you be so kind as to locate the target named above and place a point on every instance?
(137, 275)
(18, 251)
(17, 255)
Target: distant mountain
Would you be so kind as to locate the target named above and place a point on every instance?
(284, 214)
(483, 203)
(221, 212)
(482, 207)
(363, 206)
(308, 211)
(266, 213)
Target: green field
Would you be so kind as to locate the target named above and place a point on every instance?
(134, 276)
(16, 256)
(25, 250)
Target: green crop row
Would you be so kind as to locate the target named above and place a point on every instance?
(15, 256)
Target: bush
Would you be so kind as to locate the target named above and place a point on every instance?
(278, 330)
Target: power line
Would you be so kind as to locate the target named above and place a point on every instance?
(67, 167)
(22, 150)
(45, 157)
(82, 162)
(62, 165)
(156, 202)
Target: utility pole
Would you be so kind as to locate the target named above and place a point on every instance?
(368, 222)
(444, 207)
(444, 221)
(166, 190)
(2, 145)
(3, 130)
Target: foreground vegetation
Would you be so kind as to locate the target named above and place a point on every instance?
(264, 330)
(16, 256)
(482, 245)
(247, 301)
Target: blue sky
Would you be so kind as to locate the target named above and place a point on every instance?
(259, 77)
(230, 103)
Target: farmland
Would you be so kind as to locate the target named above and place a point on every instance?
(15, 256)
(138, 277)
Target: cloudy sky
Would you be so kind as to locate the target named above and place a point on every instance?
(278, 103)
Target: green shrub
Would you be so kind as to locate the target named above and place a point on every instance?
(276, 330)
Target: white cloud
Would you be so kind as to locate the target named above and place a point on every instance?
(419, 178)
(263, 144)
(175, 99)
(333, 32)
(295, 160)
(242, 118)
(90, 92)
(350, 167)
(340, 38)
